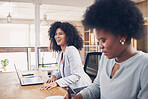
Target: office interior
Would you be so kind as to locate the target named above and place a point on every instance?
(24, 28)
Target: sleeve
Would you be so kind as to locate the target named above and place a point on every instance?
(143, 94)
(93, 91)
(75, 68)
(57, 74)
(66, 81)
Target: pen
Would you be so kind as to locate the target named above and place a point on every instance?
(69, 95)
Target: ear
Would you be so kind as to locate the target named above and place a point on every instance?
(123, 38)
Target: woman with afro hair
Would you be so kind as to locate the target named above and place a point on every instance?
(65, 38)
(123, 70)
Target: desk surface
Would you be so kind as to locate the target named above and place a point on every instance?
(10, 88)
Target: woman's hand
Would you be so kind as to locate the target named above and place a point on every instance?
(47, 86)
(53, 78)
(79, 96)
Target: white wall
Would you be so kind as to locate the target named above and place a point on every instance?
(13, 35)
(17, 35)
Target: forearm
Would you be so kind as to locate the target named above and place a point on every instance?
(66, 81)
(91, 92)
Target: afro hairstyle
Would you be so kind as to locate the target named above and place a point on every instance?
(117, 16)
(73, 36)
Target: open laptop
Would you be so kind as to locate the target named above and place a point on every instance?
(29, 80)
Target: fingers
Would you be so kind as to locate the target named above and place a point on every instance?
(53, 78)
(45, 87)
(48, 81)
(48, 86)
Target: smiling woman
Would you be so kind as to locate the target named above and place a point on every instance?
(65, 38)
(60, 37)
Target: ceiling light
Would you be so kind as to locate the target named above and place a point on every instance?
(44, 22)
(9, 20)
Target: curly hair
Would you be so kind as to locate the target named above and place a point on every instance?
(73, 37)
(117, 16)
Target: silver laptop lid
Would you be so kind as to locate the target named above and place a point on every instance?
(17, 74)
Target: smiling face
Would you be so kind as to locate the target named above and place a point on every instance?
(109, 43)
(60, 37)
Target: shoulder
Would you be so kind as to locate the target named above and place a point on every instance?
(142, 57)
(145, 55)
(71, 49)
(142, 62)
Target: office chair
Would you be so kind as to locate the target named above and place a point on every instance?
(91, 64)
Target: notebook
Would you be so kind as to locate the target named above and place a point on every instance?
(54, 97)
(29, 80)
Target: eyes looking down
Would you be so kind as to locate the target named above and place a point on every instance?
(109, 43)
(60, 37)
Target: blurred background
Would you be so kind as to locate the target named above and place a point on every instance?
(24, 28)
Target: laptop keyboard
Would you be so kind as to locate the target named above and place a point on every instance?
(27, 80)
(33, 79)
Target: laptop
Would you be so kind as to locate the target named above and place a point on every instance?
(29, 80)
